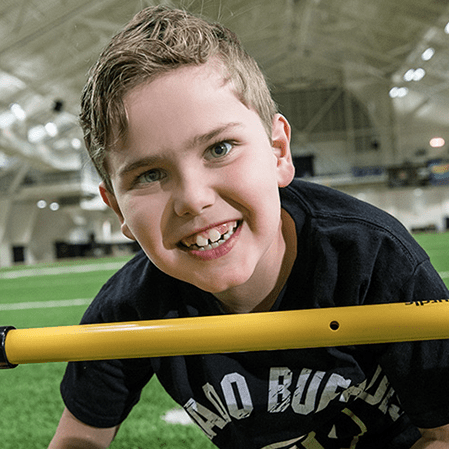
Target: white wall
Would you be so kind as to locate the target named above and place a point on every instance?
(414, 207)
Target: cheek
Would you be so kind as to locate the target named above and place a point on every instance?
(140, 219)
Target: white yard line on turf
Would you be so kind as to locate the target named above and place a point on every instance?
(177, 416)
(81, 301)
(45, 304)
(61, 270)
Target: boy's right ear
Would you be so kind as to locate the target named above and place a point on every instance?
(111, 201)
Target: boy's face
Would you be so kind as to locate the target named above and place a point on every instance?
(196, 182)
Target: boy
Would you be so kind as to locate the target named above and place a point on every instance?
(196, 164)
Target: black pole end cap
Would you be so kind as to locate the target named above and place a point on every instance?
(4, 362)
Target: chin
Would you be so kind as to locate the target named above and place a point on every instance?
(222, 286)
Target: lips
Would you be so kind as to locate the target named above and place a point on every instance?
(210, 238)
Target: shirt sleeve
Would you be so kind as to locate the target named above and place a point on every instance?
(102, 393)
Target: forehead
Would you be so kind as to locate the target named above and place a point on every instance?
(187, 100)
(210, 76)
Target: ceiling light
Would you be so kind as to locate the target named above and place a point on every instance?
(41, 204)
(52, 129)
(419, 74)
(408, 75)
(398, 92)
(437, 142)
(394, 92)
(54, 206)
(17, 110)
(428, 54)
(36, 134)
(446, 28)
(76, 143)
(414, 75)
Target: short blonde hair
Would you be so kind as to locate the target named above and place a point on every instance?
(157, 40)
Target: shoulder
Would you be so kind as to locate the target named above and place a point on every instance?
(354, 252)
(330, 214)
(322, 202)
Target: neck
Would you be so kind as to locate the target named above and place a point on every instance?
(261, 291)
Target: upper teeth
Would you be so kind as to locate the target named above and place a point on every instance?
(212, 238)
(201, 241)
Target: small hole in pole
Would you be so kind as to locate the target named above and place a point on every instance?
(334, 325)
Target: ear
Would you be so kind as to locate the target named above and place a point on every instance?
(111, 201)
(280, 137)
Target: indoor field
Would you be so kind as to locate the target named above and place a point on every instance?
(144, 124)
(57, 294)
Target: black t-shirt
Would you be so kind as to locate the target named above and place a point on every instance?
(363, 396)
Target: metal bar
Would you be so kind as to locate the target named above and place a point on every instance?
(381, 323)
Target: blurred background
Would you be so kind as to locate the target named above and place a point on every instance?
(364, 84)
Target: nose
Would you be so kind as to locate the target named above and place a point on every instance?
(193, 194)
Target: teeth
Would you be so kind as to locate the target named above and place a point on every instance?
(201, 241)
(214, 235)
(212, 238)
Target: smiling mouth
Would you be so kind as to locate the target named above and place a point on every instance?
(211, 238)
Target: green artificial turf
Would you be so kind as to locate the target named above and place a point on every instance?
(30, 401)
(437, 246)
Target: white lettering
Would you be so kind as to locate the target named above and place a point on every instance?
(314, 391)
(206, 419)
(278, 392)
(237, 395)
(380, 391)
(213, 397)
(304, 397)
(334, 387)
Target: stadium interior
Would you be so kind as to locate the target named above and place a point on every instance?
(364, 84)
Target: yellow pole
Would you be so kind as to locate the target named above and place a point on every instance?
(426, 320)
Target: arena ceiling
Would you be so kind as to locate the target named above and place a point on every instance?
(47, 47)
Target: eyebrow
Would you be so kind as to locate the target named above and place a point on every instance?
(207, 137)
(201, 139)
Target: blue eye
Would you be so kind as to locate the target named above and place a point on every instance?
(150, 176)
(220, 149)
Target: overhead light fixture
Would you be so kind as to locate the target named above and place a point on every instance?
(8, 118)
(398, 92)
(36, 134)
(40, 132)
(18, 111)
(446, 28)
(41, 204)
(52, 129)
(427, 54)
(437, 142)
(408, 75)
(76, 143)
(414, 74)
(419, 74)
